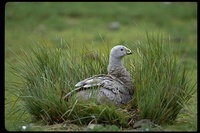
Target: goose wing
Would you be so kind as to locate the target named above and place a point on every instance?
(106, 87)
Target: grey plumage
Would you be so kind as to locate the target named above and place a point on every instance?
(116, 87)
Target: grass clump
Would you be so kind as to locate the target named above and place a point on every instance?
(161, 81)
(48, 73)
(161, 84)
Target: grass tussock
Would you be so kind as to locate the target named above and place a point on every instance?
(47, 74)
(161, 81)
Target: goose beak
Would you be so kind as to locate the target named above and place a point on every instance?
(128, 51)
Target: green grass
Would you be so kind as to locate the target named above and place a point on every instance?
(69, 26)
(161, 78)
(48, 73)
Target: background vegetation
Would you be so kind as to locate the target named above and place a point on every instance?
(90, 24)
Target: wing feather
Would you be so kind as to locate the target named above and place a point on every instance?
(109, 86)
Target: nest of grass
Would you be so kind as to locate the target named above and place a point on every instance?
(161, 84)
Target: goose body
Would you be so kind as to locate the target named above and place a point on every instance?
(115, 87)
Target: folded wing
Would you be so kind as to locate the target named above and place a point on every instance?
(107, 88)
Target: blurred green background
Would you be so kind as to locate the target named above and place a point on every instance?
(92, 24)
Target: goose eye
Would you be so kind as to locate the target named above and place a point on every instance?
(122, 49)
